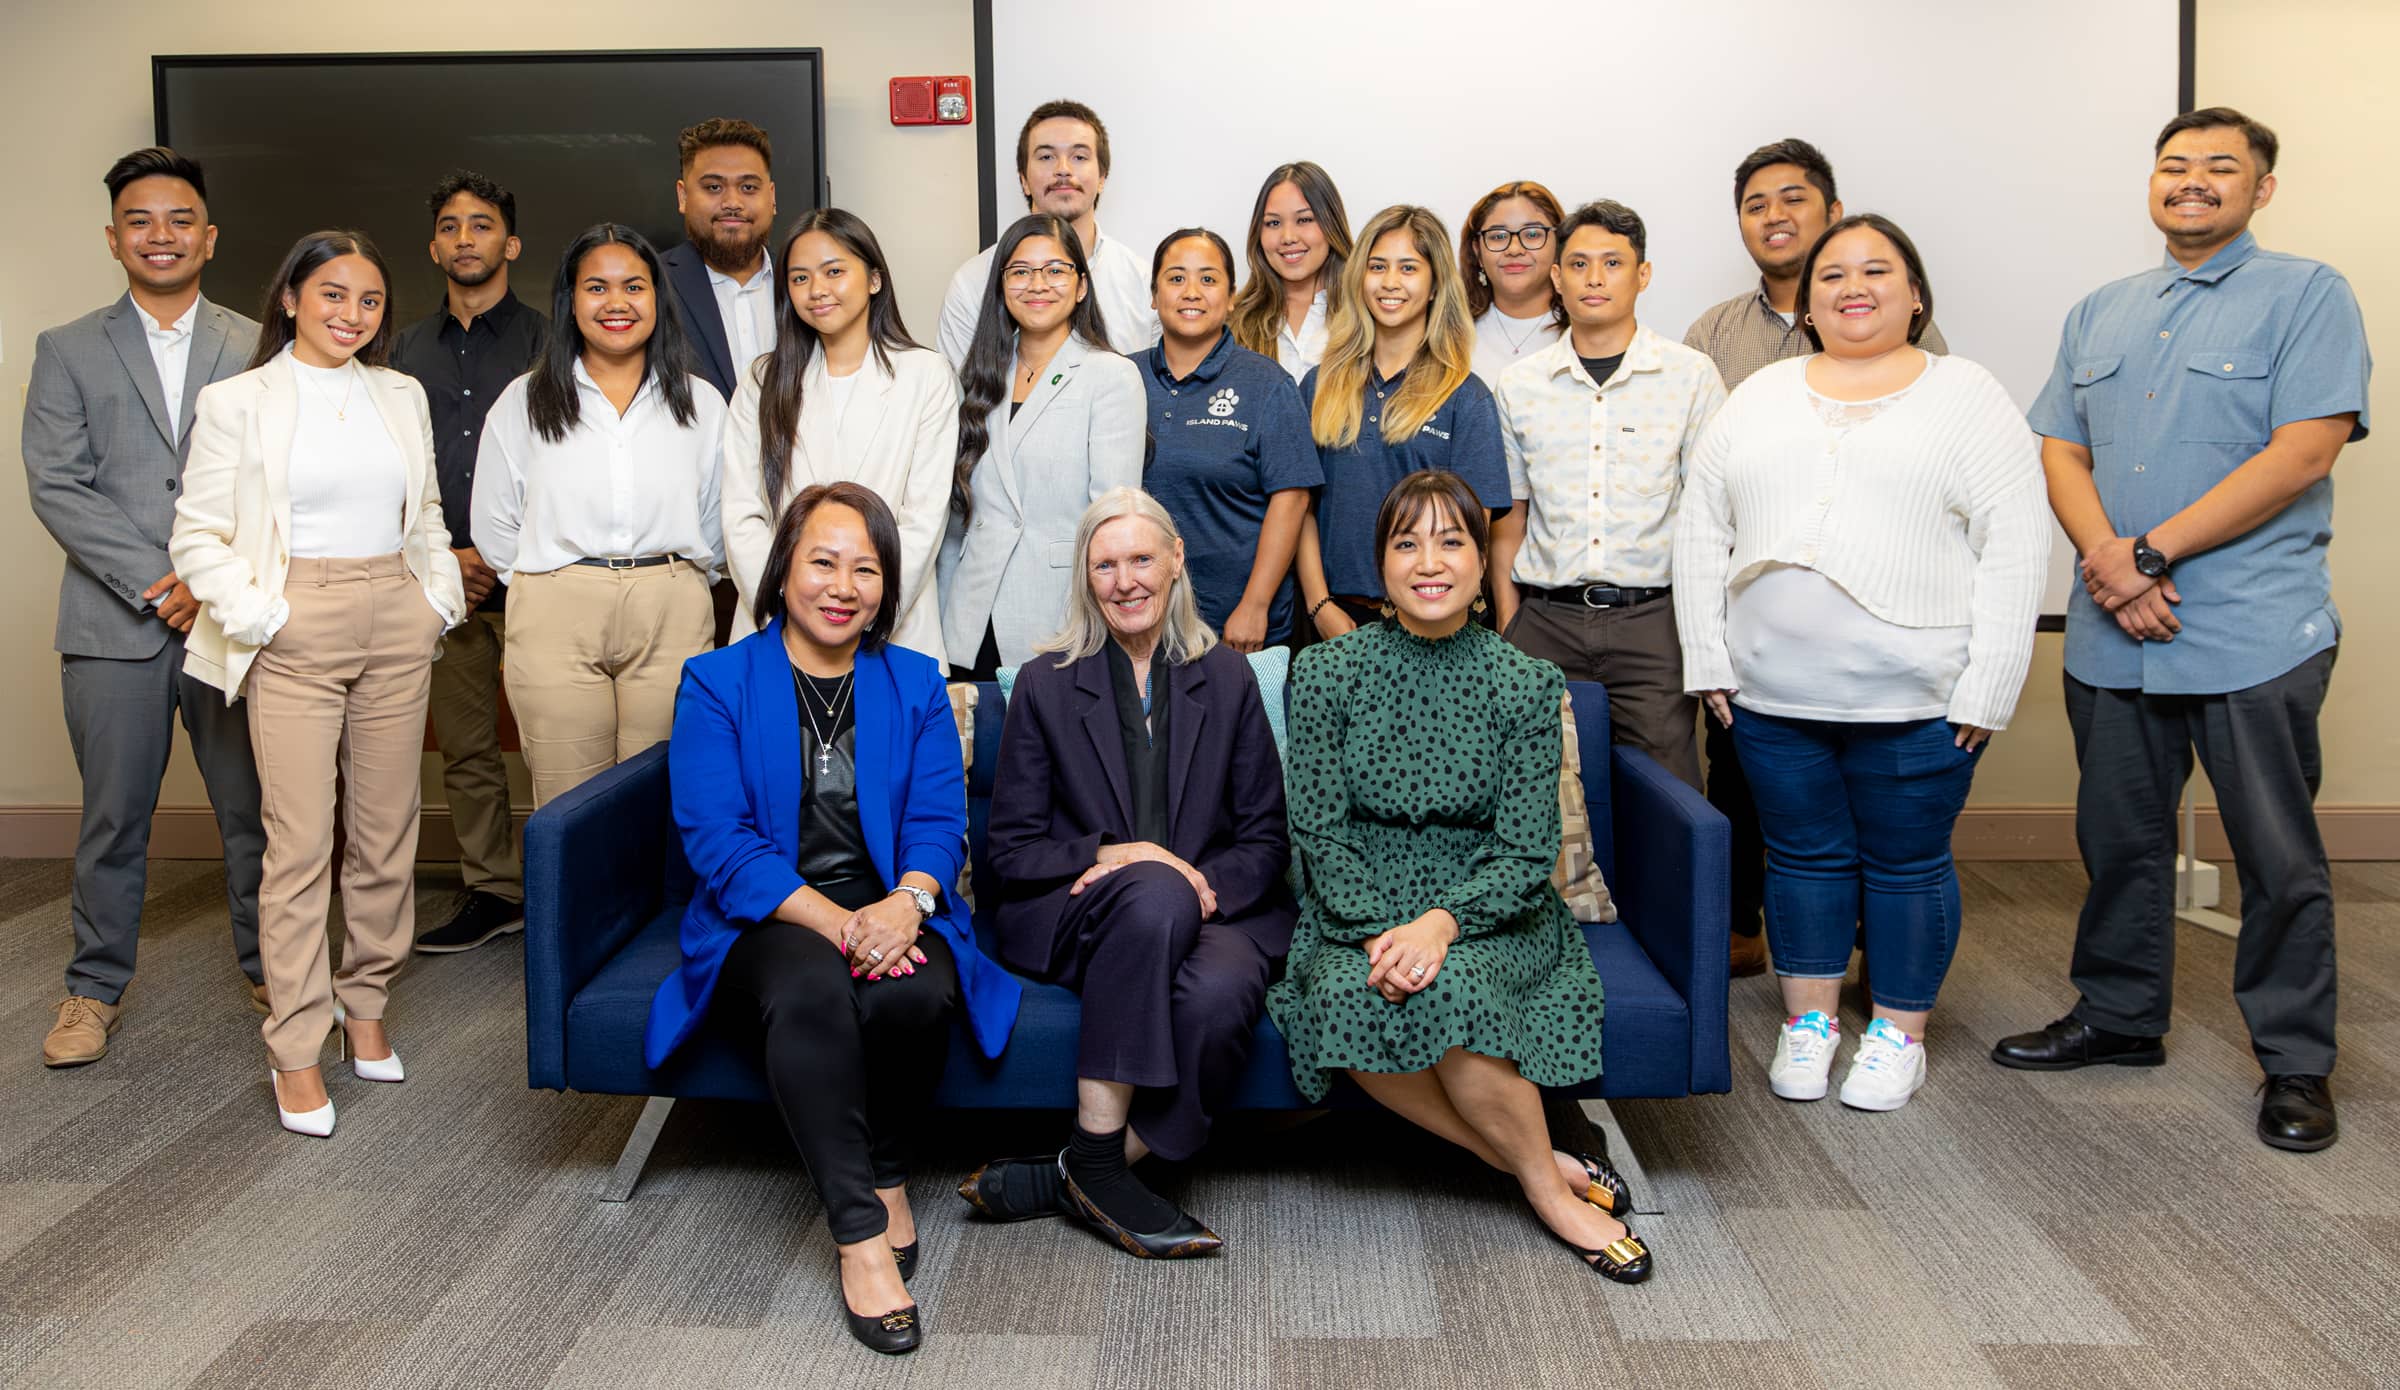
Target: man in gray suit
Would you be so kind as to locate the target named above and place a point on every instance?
(107, 415)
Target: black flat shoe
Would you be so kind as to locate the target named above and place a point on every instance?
(2297, 1114)
(889, 1333)
(1012, 1189)
(1605, 1187)
(2071, 1043)
(1183, 1238)
(905, 1256)
(1625, 1259)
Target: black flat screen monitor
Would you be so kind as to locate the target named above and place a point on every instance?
(293, 143)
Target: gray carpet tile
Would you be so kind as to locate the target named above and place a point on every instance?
(2098, 1229)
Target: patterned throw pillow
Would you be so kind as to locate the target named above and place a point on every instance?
(962, 709)
(1577, 875)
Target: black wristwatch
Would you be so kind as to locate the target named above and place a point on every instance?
(2147, 560)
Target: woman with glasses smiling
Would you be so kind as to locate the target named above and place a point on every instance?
(1057, 418)
(1509, 240)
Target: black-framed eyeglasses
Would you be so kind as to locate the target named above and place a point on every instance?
(1053, 273)
(1533, 236)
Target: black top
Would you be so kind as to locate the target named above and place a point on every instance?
(1145, 739)
(463, 371)
(833, 848)
(1601, 368)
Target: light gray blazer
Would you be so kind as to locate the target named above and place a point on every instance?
(1078, 435)
(104, 468)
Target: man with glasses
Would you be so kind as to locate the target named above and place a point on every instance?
(1062, 166)
(1783, 200)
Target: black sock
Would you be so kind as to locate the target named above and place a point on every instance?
(1031, 1187)
(1097, 1164)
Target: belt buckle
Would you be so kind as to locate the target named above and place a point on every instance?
(619, 562)
(1615, 595)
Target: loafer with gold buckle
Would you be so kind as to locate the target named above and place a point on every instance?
(890, 1333)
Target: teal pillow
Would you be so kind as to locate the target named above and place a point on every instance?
(1271, 666)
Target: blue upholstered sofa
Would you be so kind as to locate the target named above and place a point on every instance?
(606, 883)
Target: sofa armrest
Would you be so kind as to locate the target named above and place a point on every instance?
(596, 863)
(1673, 884)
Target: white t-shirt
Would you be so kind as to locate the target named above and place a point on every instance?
(349, 487)
(838, 391)
(1500, 340)
(1120, 277)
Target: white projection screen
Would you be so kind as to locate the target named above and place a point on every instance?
(2011, 140)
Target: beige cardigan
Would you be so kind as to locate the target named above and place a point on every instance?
(233, 526)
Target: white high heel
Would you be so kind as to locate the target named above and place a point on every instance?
(366, 1068)
(316, 1124)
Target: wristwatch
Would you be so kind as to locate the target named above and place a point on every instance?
(923, 900)
(2147, 560)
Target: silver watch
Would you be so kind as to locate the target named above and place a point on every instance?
(923, 899)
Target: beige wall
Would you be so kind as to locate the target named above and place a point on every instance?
(75, 93)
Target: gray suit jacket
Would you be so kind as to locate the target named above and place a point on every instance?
(104, 468)
(1078, 434)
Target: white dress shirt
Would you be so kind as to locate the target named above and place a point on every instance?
(1501, 340)
(170, 352)
(1296, 352)
(349, 486)
(748, 309)
(628, 487)
(1120, 278)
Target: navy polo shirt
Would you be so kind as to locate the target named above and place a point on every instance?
(1463, 436)
(1223, 439)
(2174, 378)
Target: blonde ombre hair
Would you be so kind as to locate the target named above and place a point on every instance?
(1184, 638)
(1449, 346)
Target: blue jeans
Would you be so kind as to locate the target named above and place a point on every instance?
(1857, 819)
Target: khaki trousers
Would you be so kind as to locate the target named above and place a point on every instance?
(342, 685)
(1634, 652)
(594, 659)
(466, 723)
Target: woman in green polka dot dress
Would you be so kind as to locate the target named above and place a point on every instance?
(1433, 962)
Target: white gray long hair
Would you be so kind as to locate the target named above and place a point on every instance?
(1185, 639)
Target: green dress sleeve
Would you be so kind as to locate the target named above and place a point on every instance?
(1333, 863)
(1512, 866)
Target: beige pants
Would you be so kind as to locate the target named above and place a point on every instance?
(466, 724)
(342, 686)
(594, 657)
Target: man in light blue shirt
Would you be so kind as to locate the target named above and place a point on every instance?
(2190, 429)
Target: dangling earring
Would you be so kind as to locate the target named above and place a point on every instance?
(1479, 278)
(1478, 606)
(1389, 612)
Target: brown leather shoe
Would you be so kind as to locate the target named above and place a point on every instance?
(258, 999)
(81, 1033)
(1749, 954)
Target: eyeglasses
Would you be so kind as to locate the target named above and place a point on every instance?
(1054, 274)
(1533, 236)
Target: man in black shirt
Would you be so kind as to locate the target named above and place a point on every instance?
(479, 340)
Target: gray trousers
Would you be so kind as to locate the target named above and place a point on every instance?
(121, 722)
(2261, 751)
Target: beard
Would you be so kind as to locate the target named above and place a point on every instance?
(729, 252)
(467, 280)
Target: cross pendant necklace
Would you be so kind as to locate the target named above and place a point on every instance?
(833, 711)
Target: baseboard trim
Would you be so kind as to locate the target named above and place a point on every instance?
(1984, 832)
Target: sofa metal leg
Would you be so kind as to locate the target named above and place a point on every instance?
(636, 1153)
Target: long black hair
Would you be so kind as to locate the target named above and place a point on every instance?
(781, 371)
(276, 328)
(984, 383)
(550, 399)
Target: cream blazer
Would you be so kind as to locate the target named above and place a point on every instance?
(233, 526)
(898, 439)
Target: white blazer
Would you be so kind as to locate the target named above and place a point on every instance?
(898, 439)
(1079, 434)
(233, 526)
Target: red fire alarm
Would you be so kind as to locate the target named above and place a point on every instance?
(932, 101)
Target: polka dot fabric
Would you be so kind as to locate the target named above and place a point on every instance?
(1424, 774)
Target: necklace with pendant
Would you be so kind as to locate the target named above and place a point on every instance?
(833, 712)
(341, 412)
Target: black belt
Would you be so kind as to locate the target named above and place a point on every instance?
(621, 563)
(1597, 595)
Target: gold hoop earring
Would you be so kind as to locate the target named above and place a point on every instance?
(1809, 319)
(1916, 311)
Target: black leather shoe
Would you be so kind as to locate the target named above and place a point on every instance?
(479, 918)
(2071, 1043)
(1182, 1239)
(889, 1333)
(1015, 1189)
(2297, 1114)
(1604, 1186)
(905, 1256)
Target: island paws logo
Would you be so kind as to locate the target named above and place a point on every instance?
(1222, 403)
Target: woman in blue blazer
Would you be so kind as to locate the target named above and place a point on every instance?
(821, 797)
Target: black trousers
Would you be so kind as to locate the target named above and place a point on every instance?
(1729, 792)
(851, 1063)
(2261, 751)
(1170, 1003)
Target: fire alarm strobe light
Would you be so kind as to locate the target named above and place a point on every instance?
(932, 101)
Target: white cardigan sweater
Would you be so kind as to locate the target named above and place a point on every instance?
(1931, 513)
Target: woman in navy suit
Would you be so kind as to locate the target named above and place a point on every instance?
(1138, 832)
(822, 801)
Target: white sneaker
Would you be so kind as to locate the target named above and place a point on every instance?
(1888, 1069)
(1804, 1056)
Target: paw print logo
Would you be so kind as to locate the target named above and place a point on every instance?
(1222, 403)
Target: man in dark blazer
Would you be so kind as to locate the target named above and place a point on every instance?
(1140, 843)
(720, 277)
(108, 412)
